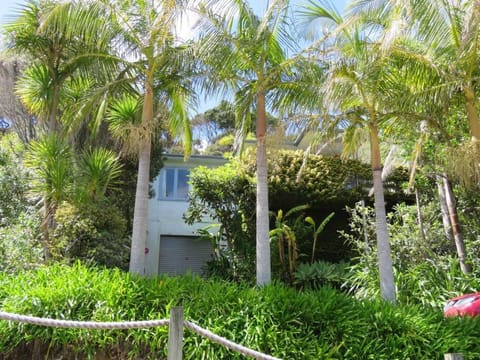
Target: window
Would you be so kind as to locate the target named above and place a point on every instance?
(174, 184)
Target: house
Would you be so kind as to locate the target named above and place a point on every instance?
(174, 247)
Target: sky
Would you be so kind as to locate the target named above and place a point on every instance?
(8, 7)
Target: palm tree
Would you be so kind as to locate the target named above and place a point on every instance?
(249, 56)
(442, 43)
(61, 41)
(155, 66)
(357, 85)
(439, 49)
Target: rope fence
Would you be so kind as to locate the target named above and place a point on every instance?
(227, 343)
(175, 335)
(83, 324)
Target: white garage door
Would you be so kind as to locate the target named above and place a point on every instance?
(179, 254)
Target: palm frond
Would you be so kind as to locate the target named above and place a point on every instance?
(99, 170)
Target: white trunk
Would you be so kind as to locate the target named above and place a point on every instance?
(447, 225)
(387, 283)
(262, 225)
(140, 215)
(263, 241)
(457, 231)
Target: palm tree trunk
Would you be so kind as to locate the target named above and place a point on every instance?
(140, 215)
(387, 283)
(472, 113)
(262, 226)
(457, 232)
(421, 228)
(47, 221)
(447, 225)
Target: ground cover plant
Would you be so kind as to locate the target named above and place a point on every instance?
(321, 324)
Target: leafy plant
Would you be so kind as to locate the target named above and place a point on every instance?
(321, 273)
(317, 230)
(426, 269)
(227, 196)
(286, 239)
(14, 180)
(20, 248)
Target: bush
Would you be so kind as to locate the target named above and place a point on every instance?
(426, 269)
(13, 180)
(93, 233)
(322, 324)
(20, 247)
(321, 273)
(227, 195)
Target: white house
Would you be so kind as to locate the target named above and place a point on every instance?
(173, 247)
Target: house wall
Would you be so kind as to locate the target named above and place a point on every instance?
(165, 217)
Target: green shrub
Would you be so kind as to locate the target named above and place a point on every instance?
(426, 269)
(321, 273)
(93, 233)
(321, 324)
(13, 180)
(20, 247)
(226, 195)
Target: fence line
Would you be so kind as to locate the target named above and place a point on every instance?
(176, 324)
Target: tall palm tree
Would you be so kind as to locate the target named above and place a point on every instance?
(444, 41)
(155, 64)
(251, 57)
(357, 84)
(439, 47)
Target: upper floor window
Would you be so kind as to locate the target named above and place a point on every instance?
(174, 184)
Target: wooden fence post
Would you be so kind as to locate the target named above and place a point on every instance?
(453, 356)
(175, 334)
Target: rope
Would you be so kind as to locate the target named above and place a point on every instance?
(134, 325)
(83, 324)
(227, 343)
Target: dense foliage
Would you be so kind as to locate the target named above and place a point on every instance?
(88, 222)
(320, 185)
(323, 324)
(93, 233)
(20, 247)
(426, 266)
(226, 195)
(13, 182)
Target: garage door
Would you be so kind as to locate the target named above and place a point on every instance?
(179, 254)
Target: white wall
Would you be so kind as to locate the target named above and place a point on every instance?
(165, 217)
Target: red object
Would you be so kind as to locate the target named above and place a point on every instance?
(465, 305)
